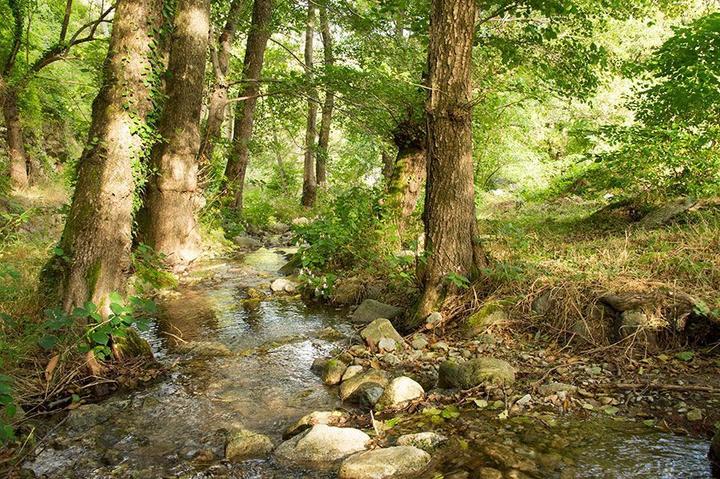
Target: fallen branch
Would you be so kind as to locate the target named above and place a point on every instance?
(666, 387)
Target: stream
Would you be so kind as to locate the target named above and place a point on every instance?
(251, 369)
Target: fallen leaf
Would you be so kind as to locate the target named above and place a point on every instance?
(52, 364)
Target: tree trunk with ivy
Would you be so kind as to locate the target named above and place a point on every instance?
(245, 109)
(328, 104)
(18, 159)
(309, 190)
(449, 216)
(219, 97)
(172, 195)
(408, 171)
(94, 255)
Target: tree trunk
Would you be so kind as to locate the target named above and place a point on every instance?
(309, 192)
(14, 138)
(245, 110)
(449, 216)
(172, 199)
(97, 236)
(408, 172)
(328, 104)
(219, 96)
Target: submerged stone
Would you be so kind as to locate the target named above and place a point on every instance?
(398, 461)
(244, 445)
(427, 441)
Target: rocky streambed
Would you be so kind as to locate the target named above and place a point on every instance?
(262, 385)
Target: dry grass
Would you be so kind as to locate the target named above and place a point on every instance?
(556, 253)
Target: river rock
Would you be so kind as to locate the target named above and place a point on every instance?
(329, 418)
(400, 390)
(352, 371)
(487, 371)
(398, 461)
(381, 329)
(247, 242)
(427, 441)
(333, 372)
(204, 349)
(419, 341)
(348, 291)
(490, 314)
(637, 324)
(244, 445)
(370, 310)
(283, 285)
(321, 446)
(370, 377)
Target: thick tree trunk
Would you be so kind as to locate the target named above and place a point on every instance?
(245, 109)
(450, 223)
(97, 236)
(309, 192)
(329, 103)
(14, 138)
(219, 96)
(408, 172)
(172, 199)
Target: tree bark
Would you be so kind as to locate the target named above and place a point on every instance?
(219, 96)
(328, 104)
(245, 109)
(449, 216)
(172, 200)
(97, 236)
(14, 139)
(309, 191)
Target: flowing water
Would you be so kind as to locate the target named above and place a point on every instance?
(251, 369)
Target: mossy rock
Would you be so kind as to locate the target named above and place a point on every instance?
(490, 314)
(476, 372)
(131, 346)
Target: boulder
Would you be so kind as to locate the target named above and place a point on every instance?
(485, 371)
(378, 330)
(398, 461)
(348, 291)
(246, 242)
(637, 324)
(400, 390)
(370, 310)
(333, 372)
(366, 396)
(352, 371)
(244, 445)
(489, 315)
(371, 377)
(329, 418)
(321, 446)
(283, 285)
(427, 441)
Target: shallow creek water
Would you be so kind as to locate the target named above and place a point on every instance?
(177, 426)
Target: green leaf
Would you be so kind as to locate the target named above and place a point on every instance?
(685, 356)
(115, 297)
(450, 412)
(48, 341)
(100, 337)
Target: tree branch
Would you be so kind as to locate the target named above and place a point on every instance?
(66, 21)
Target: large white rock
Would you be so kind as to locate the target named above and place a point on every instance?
(321, 446)
(283, 285)
(399, 391)
(329, 418)
(399, 461)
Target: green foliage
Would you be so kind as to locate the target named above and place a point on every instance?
(347, 233)
(8, 409)
(150, 270)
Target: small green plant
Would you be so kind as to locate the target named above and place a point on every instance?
(8, 409)
(150, 270)
(458, 280)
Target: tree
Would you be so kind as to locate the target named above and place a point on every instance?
(14, 78)
(245, 109)
(220, 57)
(449, 216)
(309, 191)
(171, 225)
(407, 175)
(94, 255)
(328, 103)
